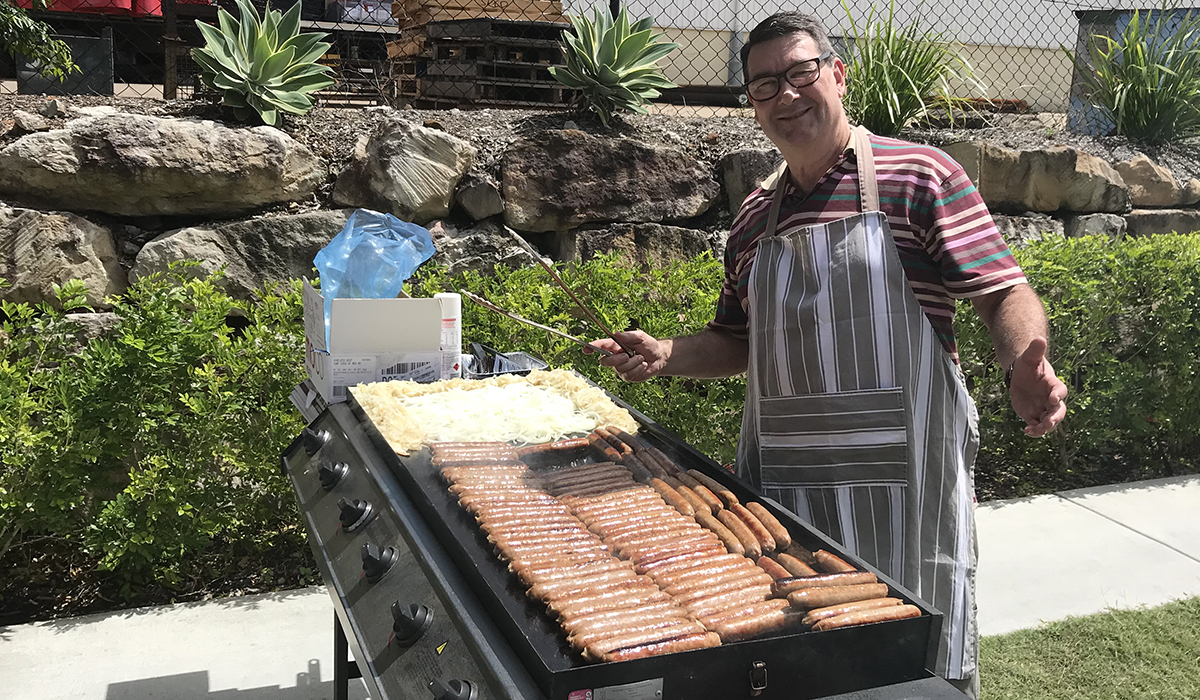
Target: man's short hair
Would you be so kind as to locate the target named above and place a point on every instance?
(783, 24)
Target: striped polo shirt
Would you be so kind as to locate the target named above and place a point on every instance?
(948, 244)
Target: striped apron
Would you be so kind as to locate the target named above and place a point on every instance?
(856, 418)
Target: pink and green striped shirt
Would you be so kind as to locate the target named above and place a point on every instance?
(946, 239)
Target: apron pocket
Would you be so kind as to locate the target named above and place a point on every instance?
(841, 439)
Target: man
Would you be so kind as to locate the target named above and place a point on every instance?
(841, 275)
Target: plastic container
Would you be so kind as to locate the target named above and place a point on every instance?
(484, 362)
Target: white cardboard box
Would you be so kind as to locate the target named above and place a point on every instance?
(370, 340)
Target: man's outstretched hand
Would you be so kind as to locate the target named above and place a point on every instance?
(1037, 394)
(650, 355)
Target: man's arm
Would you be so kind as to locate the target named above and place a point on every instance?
(706, 355)
(1017, 324)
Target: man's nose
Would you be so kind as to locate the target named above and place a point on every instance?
(788, 93)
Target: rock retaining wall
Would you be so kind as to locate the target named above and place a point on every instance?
(111, 196)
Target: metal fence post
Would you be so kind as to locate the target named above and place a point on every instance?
(170, 48)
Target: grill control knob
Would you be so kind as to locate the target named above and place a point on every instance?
(410, 623)
(354, 513)
(454, 690)
(314, 439)
(331, 474)
(376, 561)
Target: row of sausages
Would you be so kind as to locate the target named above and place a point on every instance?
(636, 557)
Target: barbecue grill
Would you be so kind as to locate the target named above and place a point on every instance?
(427, 609)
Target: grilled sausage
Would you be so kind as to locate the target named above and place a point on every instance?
(772, 567)
(714, 503)
(655, 610)
(626, 438)
(816, 615)
(637, 467)
(602, 448)
(721, 492)
(666, 627)
(750, 543)
(552, 588)
(566, 445)
(809, 598)
(698, 504)
(637, 588)
(784, 586)
(672, 497)
(862, 617)
(664, 461)
(670, 646)
(704, 574)
(612, 623)
(783, 539)
(749, 627)
(614, 601)
(617, 443)
(749, 610)
(699, 552)
(683, 597)
(794, 565)
(831, 563)
(756, 527)
(732, 543)
(723, 601)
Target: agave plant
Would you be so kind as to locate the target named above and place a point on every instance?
(262, 65)
(611, 63)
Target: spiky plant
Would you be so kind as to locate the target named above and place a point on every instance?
(264, 66)
(613, 65)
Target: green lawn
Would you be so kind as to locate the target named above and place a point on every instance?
(1119, 655)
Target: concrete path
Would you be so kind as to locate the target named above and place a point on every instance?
(1041, 559)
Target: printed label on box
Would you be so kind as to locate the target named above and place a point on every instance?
(348, 370)
(414, 367)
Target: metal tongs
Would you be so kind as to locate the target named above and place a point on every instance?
(536, 256)
(489, 305)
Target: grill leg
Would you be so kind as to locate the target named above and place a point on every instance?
(343, 668)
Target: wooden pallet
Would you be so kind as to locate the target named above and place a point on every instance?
(417, 12)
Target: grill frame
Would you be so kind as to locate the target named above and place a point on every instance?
(849, 660)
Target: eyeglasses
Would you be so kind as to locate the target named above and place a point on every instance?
(800, 74)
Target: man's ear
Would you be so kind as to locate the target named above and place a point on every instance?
(839, 76)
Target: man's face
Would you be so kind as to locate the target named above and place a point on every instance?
(797, 117)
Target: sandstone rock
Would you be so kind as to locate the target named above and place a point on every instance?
(136, 165)
(1191, 193)
(94, 325)
(1020, 230)
(479, 196)
(28, 122)
(639, 243)
(1146, 222)
(408, 170)
(1150, 184)
(742, 171)
(1109, 225)
(43, 249)
(568, 178)
(1056, 179)
(254, 252)
(53, 109)
(480, 247)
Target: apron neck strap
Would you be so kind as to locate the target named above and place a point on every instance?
(868, 186)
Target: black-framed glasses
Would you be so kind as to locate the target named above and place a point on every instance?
(800, 74)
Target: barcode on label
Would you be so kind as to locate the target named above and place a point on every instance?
(403, 367)
(339, 392)
(411, 371)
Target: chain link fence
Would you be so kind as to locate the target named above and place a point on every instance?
(496, 53)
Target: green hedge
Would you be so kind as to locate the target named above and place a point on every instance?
(155, 449)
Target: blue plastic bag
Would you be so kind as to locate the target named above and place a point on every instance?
(370, 258)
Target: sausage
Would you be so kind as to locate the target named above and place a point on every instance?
(703, 551)
(613, 601)
(637, 467)
(565, 533)
(617, 523)
(721, 492)
(627, 549)
(750, 543)
(600, 626)
(475, 460)
(613, 440)
(633, 638)
(634, 444)
(698, 504)
(862, 617)
(683, 597)
(554, 479)
(710, 560)
(672, 497)
(831, 563)
(794, 566)
(627, 497)
(714, 503)
(539, 588)
(732, 543)
(819, 614)
(756, 527)
(634, 587)
(723, 601)
(784, 586)
(809, 598)
(772, 567)
(574, 587)
(651, 529)
(640, 551)
(654, 610)
(749, 610)
(664, 627)
(702, 573)
(749, 627)
(602, 448)
(595, 488)
(783, 539)
(685, 643)
(525, 561)
(557, 446)
(664, 461)
(577, 470)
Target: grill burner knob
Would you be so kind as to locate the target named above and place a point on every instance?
(376, 561)
(354, 513)
(331, 474)
(314, 440)
(410, 623)
(454, 690)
